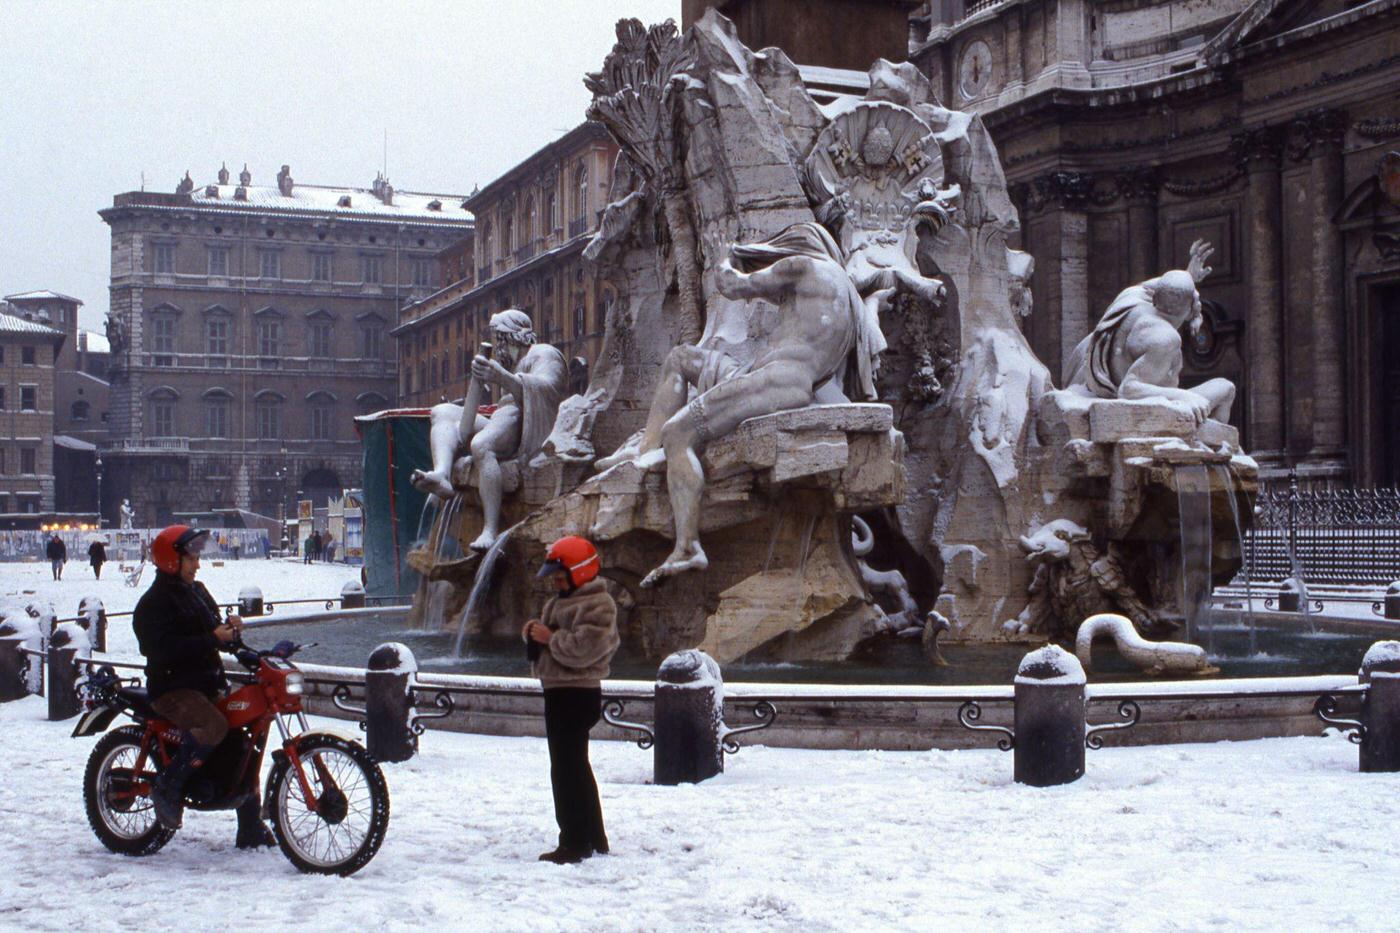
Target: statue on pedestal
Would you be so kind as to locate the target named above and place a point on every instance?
(533, 378)
(822, 332)
(1135, 351)
(128, 515)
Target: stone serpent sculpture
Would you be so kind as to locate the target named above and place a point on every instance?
(1154, 657)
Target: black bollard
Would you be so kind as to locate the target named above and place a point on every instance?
(352, 595)
(67, 641)
(1292, 593)
(689, 719)
(1380, 708)
(1392, 601)
(94, 619)
(1049, 718)
(389, 703)
(250, 602)
(14, 664)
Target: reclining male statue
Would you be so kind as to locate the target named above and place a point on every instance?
(1135, 351)
(821, 325)
(534, 379)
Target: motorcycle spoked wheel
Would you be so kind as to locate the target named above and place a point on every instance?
(345, 832)
(124, 824)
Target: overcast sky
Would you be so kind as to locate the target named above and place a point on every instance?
(94, 94)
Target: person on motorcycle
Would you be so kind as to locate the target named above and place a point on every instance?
(177, 626)
(577, 637)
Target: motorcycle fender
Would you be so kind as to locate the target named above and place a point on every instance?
(94, 721)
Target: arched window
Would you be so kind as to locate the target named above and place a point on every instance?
(269, 414)
(163, 399)
(322, 415)
(551, 214)
(486, 242)
(581, 192)
(530, 231)
(507, 236)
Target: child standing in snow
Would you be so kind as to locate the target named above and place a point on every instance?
(577, 637)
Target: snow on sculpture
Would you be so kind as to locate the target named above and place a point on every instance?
(533, 377)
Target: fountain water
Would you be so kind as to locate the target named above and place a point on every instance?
(481, 584)
(1246, 570)
(1193, 506)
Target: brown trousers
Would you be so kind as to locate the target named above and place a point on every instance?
(195, 713)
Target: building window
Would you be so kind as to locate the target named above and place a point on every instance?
(581, 192)
(163, 341)
(216, 419)
(218, 260)
(580, 321)
(216, 342)
(321, 267)
(269, 338)
(269, 421)
(26, 356)
(371, 269)
(422, 273)
(165, 259)
(551, 214)
(422, 375)
(321, 422)
(371, 343)
(26, 461)
(80, 411)
(270, 266)
(4, 498)
(321, 339)
(3, 465)
(162, 419)
(27, 395)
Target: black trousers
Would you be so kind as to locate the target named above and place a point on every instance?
(569, 712)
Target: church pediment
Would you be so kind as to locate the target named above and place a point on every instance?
(1376, 201)
(1264, 19)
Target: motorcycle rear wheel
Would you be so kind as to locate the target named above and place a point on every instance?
(345, 831)
(124, 824)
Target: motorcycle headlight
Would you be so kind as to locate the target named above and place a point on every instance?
(295, 684)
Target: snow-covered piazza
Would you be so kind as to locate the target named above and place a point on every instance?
(738, 465)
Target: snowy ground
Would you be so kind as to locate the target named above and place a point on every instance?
(21, 583)
(1281, 833)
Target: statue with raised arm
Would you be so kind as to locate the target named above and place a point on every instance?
(128, 515)
(1135, 351)
(532, 379)
(822, 331)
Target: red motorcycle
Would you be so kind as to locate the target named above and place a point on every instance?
(326, 797)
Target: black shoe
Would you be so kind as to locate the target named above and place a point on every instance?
(168, 794)
(252, 831)
(566, 855)
(600, 847)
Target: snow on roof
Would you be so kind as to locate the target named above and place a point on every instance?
(72, 443)
(42, 293)
(96, 343)
(362, 201)
(12, 324)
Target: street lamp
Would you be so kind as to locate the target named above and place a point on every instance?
(99, 492)
(281, 475)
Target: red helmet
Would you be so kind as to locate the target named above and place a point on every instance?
(174, 541)
(573, 555)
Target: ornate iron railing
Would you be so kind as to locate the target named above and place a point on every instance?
(1327, 536)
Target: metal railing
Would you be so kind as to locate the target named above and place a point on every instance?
(1326, 536)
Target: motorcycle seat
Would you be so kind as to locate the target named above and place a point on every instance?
(138, 699)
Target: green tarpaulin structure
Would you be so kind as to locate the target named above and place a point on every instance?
(395, 443)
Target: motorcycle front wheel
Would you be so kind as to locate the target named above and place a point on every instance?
(351, 814)
(124, 821)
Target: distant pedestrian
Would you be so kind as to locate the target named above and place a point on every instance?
(237, 549)
(328, 548)
(57, 553)
(313, 547)
(267, 547)
(97, 556)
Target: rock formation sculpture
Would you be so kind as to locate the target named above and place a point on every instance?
(532, 378)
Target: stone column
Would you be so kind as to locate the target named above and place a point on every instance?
(1326, 130)
(1068, 275)
(1260, 151)
(1139, 187)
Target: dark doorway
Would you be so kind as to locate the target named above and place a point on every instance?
(1389, 303)
(320, 485)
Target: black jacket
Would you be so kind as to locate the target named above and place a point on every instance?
(174, 623)
(97, 553)
(56, 550)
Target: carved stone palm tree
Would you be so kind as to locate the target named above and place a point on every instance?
(635, 97)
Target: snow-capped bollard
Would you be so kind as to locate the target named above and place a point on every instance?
(66, 643)
(15, 635)
(1292, 594)
(250, 601)
(1380, 709)
(1050, 728)
(689, 719)
(352, 595)
(94, 619)
(1392, 600)
(389, 703)
(44, 615)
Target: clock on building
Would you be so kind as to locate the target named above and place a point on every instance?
(975, 72)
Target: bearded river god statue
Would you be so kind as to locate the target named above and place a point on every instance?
(533, 378)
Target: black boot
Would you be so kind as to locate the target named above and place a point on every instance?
(168, 794)
(252, 831)
(566, 855)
